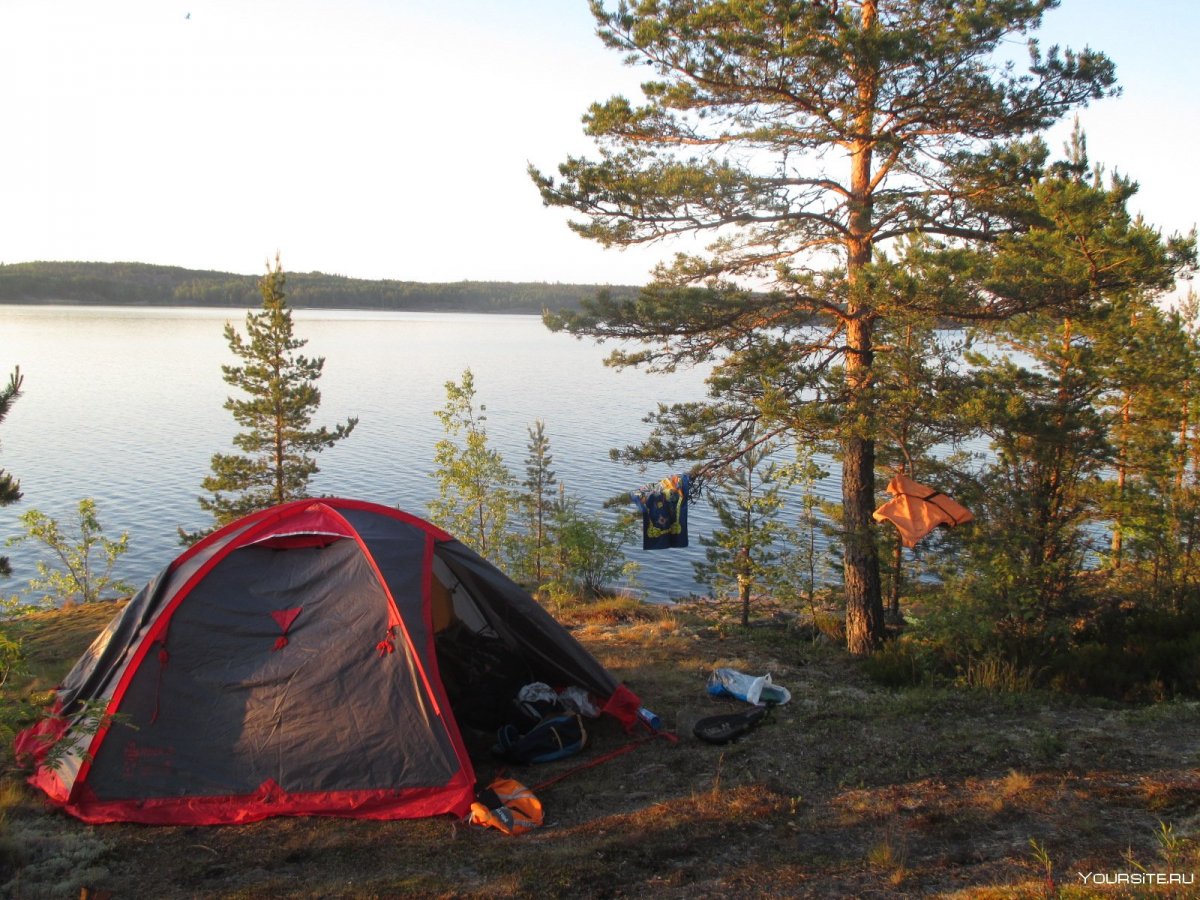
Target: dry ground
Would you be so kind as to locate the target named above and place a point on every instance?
(851, 790)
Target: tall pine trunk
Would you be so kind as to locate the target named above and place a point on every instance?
(864, 596)
(864, 603)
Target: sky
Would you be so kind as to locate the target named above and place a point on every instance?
(390, 138)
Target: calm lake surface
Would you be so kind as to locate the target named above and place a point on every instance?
(124, 405)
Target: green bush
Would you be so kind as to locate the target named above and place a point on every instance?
(1111, 644)
(76, 575)
(897, 664)
(585, 557)
(1137, 655)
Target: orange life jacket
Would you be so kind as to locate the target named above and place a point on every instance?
(519, 810)
(916, 509)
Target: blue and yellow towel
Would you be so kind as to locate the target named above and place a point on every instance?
(664, 513)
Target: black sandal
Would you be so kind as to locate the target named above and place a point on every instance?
(723, 729)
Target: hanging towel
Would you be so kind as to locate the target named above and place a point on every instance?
(664, 513)
(916, 509)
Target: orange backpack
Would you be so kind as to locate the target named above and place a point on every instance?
(507, 805)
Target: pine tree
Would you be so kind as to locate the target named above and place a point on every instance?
(804, 139)
(10, 488)
(1052, 402)
(278, 443)
(1184, 493)
(921, 385)
(1144, 350)
(538, 501)
(803, 560)
(475, 489)
(741, 552)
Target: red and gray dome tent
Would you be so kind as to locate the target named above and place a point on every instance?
(299, 662)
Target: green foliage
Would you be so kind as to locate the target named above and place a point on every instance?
(799, 136)
(12, 661)
(587, 555)
(897, 664)
(1152, 502)
(560, 548)
(740, 554)
(10, 488)
(802, 565)
(1030, 538)
(1112, 643)
(1057, 396)
(476, 491)
(278, 444)
(76, 576)
(537, 506)
(995, 610)
(11, 658)
(86, 718)
(1133, 654)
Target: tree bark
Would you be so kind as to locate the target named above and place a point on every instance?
(864, 595)
(864, 603)
(864, 599)
(897, 575)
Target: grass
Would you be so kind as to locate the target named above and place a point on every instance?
(852, 789)
(994, 674)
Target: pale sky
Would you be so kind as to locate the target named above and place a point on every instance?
(389, 138)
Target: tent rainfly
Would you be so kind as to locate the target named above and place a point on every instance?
(322, 657)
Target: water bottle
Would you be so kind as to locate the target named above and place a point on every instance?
(650, 718)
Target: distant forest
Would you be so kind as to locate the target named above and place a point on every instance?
(139, 284)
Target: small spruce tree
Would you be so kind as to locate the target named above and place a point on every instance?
(803, 561)
(278, 444)
(740, 552)
(538, 501)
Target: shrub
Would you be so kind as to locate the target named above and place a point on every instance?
(586, 557)
(896, 664)
(998, 674)
(77, 575)
(1135, 655)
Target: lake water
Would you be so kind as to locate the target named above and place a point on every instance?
(124, 405)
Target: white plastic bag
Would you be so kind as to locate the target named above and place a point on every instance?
(756, 689)
(576, 699)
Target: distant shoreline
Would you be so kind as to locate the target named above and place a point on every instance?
(251, 306)
(148, 286)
